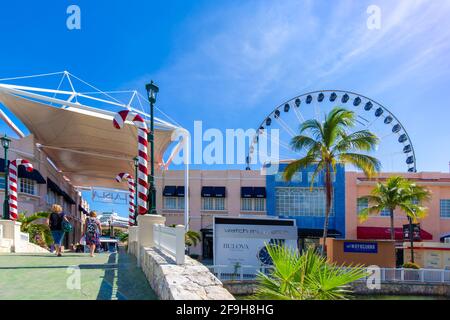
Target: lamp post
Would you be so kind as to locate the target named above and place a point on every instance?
(5, 143)
(152, 91)
(136, 165)
(411, 238)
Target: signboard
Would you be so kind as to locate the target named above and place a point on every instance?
(109, 197)
(416, 232)
(242, 241)
(360, 247)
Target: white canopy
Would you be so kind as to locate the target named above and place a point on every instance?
(80, 140)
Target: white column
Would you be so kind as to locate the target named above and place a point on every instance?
(186, 152)
(145, 231)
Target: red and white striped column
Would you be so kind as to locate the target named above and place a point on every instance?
(131, 183)
(142, 178)
(12, 184)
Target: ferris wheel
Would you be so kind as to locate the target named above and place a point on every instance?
(395, 150)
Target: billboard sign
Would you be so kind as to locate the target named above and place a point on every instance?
(360, 247)
(109, 197)
(241, 241)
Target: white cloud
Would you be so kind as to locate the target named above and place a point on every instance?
(241, 55)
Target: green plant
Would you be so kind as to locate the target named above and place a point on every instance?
(39, 233)
(328, 143)
(396, 192)
(411, 265)
(122, 236)
(306, 276)
(191, 238)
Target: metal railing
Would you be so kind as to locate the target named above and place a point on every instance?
(25, 237)
(415, 275)
(170, 240)
(238, 272)
(387, 275)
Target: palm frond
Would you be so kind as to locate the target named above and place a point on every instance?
(368, 164)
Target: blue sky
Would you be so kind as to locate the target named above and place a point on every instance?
(229, 63)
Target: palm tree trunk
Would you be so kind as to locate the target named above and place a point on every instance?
(392, 225)
(329, 191)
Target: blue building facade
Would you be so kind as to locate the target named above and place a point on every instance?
(296, 200)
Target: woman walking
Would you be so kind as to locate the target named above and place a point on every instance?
(92, 231)
(55, 223)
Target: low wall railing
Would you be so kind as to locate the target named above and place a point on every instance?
(387, 275)
(238, 272)
(170, 240)
(25, 237)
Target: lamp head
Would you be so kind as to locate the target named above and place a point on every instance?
(5, 141)
(152, 91)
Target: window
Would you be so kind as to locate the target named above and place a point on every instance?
(246, 204)
(220, 204)
(52, 197)
(2, 181)
(297, 177)
(213, 204)
(362, 203)
(445, 208)
(253, 204)
(260, 204)
(301, 202)
(170, 203)
(385, 213)
(174, 203)
(27, 186)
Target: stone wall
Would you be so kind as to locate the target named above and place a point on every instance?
(190, 281)
(417, 289)
(359, 288)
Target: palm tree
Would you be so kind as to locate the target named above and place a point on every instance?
(191, 238)
(39, 233)
(397, 192)
(305, 277)
(328, 143)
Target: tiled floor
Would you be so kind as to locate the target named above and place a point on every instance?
(73, 276)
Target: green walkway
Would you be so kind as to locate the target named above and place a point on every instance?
(73, 276)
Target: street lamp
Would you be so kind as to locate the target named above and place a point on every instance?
(5, 143)
(152, 91)
(136, 166)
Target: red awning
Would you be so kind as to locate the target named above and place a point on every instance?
(382, 233)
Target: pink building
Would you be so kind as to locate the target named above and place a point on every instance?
(211, 192)
(231, 202)
(435, 226)
(43, 187)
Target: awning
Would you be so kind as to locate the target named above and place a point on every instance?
(384, 233)
(23, 173)
(68, 198)
(169, 191)
(180, 191)
(259, 192)
(54, 187)
(208, 192)
(82, 141)
(253, 192)
(82, 209)
(213, 192)
(219, 192)
(246, 192)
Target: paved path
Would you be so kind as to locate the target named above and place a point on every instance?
(73, 276)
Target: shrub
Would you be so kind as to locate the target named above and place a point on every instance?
(411, 265)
